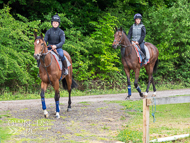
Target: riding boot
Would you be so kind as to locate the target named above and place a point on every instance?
(65, 67)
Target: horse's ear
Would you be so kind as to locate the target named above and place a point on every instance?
(41, 35)
(115, 28)
(35, 34)
(120, 28)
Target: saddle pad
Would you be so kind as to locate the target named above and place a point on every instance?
(140, 54)
(59, 60)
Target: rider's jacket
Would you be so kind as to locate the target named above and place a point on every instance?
(55, 36)
(137, 32)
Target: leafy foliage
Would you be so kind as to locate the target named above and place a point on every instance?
(168, 29)
(16, 51)
(88, 26)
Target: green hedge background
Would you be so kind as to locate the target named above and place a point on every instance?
(89, 28)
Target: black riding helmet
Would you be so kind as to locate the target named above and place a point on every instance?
(55, 18)
(138, 15)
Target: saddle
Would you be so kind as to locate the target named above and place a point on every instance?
(135, 44)
(58, 59)
(140, 54)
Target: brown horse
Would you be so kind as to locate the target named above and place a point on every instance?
(50, 74)
(130, 61)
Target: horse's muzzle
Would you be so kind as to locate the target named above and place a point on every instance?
(114, 46)
(37, 56)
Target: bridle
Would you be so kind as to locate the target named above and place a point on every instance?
(119, 44)
(43, 55)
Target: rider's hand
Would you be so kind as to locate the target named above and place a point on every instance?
(54, 47)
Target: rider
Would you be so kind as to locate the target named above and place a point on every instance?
(56, 37)
(138, 32)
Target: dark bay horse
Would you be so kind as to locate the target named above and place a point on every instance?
(130, 61)
(50, 74)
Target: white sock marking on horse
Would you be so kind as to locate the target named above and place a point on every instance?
(145, 93)
(37, 42)
(57, 115)
(154, 93)
(45, 112)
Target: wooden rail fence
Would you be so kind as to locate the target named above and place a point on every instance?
(150, 101)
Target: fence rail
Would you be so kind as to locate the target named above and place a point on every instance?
(158, 101)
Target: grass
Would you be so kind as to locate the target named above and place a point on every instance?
(84, 103)
(172, 119)
(7, 95)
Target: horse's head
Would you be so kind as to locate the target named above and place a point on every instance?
(39, 46)
(117, 37)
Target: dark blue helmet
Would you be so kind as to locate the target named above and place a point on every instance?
(138, 15)
(55, 18)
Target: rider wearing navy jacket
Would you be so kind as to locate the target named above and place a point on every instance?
(56, 37)
(138, 32)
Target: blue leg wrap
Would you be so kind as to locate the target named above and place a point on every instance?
(129, 90)
(43, 103)
(138, 89)
(57, 106)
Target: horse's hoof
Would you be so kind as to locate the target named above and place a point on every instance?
(141, 95)
(46, 115)
(57, 116)
(68, 109)
(127, 98)
(153, 95)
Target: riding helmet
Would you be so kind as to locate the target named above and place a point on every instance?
(55, 18)
(138, 15)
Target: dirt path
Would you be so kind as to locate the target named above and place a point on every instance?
(8, 105)
(93, 119)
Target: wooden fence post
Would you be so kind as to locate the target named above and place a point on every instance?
(159, 101)
(145, 121)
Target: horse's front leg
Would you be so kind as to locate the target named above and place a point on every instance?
(57, 96)
(43, 89)
(127, 72)
(136, 82)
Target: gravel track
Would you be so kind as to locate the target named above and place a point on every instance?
(92, 119)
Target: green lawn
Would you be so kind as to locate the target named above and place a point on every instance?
(172, 119)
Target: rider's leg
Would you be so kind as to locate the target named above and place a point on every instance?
(63, 59)
(142, 48)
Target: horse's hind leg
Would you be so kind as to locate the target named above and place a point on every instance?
(43, 89)
(147, 89)
(149, 70)
(154, 88)
(57, 96)
(69, 83)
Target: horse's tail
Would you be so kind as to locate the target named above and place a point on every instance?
(73, 85)
(155, 66)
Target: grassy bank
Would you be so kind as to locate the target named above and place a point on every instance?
(172, 119)
(21, 95)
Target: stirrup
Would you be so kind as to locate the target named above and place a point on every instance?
(66, 71)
